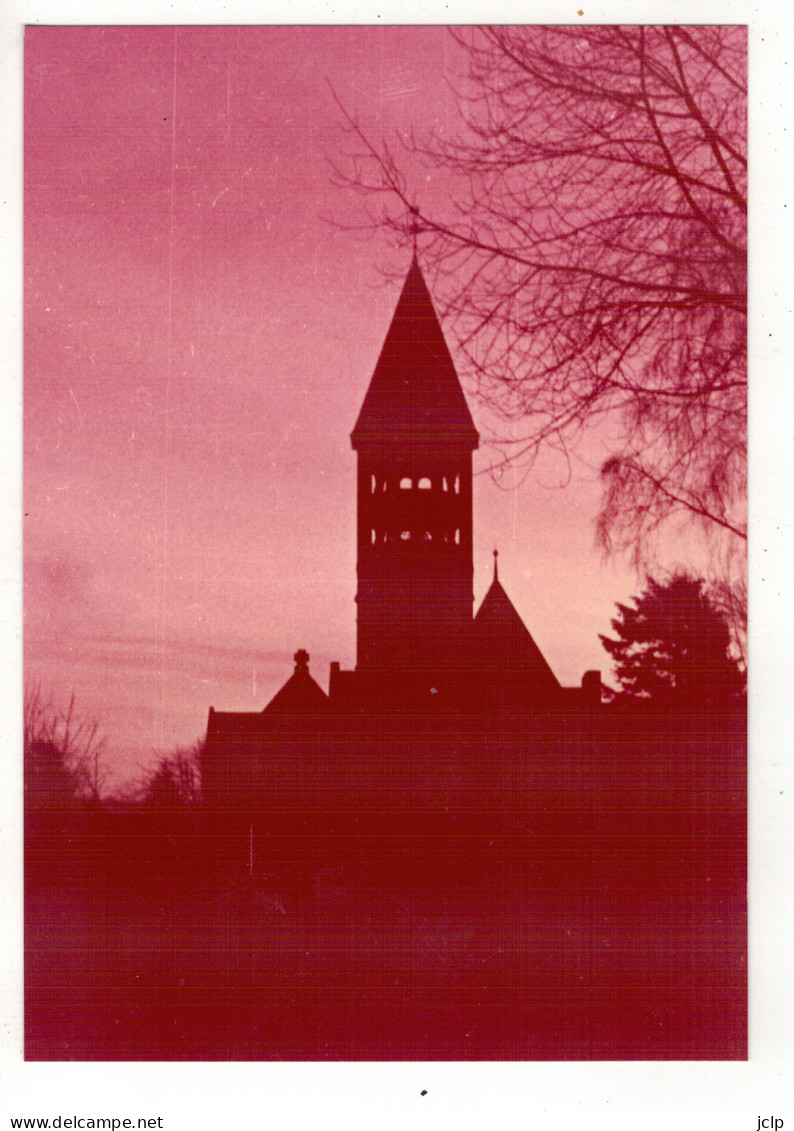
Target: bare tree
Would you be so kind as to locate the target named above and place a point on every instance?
(174, 785)
(591, 257)
(64, 755)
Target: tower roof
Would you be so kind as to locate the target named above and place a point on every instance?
(300, 693)
(503, 642)
(415, 396)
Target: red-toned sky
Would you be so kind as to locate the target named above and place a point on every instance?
(100, 577)
(198, 341)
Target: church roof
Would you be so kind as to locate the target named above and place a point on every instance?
(503, 641)
(300, 693)
(415, 393)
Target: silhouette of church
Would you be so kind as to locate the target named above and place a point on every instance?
(420, 649)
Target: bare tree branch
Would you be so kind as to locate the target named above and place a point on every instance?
(590, 256)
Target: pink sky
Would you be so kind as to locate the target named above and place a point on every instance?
(198, 341)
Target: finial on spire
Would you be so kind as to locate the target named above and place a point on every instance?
(301, 659)
(414, 225)
(496, 565)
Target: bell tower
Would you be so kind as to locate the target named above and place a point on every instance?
(414, 439)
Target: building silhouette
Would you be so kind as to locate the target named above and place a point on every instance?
(422, 654)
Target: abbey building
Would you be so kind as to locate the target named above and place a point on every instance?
(421, 649)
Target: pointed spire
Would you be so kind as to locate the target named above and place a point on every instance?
(415, 396)
(496, 565)
(503, 640)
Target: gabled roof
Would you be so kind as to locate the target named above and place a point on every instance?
(415, 393)
(503, 642)
(300, 693)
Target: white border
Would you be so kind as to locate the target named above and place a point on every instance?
(330, 1095)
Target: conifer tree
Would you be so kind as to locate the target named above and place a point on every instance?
(673, 647)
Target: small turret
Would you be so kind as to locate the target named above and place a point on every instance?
(300, 693)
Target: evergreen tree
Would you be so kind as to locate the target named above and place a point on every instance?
(673, 647)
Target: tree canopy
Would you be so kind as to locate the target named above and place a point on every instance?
(591, 256)
(673, 647)
(175, 783)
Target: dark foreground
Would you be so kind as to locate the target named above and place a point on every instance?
(600, 915)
